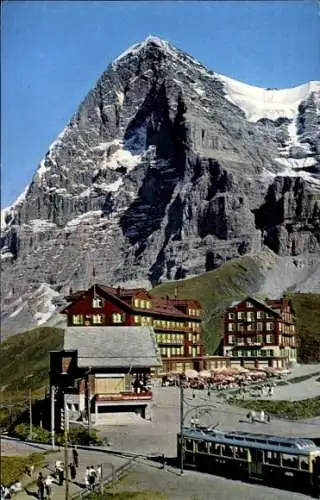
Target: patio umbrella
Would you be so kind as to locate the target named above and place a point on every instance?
(190, 373)
(205, 373)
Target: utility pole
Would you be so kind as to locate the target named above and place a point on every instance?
(30, 415)
(53, 391)
(66, 457)
(181, 427)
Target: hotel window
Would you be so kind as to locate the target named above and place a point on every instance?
(231, 316)
(230, 339)
(198, 349)
(269, 326)
(269, 339)
(249, 340)
(250, 316)
(240, 315)
(240, 341)
(77, 319)
(259, 327)
(136, 302)
(259, 339)
(230, 327)
(142, 304)
(97, 319)
(117, 318)
(97, 303)
(148, 304)
(137, 319)
(240, 327)
(260, 315)
(248, 304)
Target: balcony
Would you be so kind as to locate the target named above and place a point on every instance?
(166, 328)
(125, 396)
(164, 343)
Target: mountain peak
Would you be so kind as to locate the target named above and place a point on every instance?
(136, 48)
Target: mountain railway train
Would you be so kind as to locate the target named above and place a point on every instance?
(286, 462)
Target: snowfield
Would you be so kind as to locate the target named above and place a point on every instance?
(258, 102)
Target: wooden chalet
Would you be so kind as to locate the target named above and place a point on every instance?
(104, 370)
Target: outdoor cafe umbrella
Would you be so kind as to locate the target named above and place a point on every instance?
(205, 374)
(190, 373)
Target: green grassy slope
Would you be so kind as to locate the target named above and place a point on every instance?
(24, 358)
(24, 361)
(216, 290)
(306, 307)
(234, 281)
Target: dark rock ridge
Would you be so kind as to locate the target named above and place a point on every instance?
(161, 175)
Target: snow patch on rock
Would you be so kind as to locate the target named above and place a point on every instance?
(258, 102)
(11, 208)
(88, 215)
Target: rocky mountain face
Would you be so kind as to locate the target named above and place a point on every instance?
(167, 170)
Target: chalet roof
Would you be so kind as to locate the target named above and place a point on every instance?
(161, 306)
(164, 307)
(187, 302)
(158, 305)
(257, 301)
(113, 347)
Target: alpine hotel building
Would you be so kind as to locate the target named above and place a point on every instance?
(176, 322)
(259, 334)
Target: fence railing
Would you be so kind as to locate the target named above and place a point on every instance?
(116, 475)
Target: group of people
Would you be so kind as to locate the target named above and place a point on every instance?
(260, 417)
(8, 491)
(92, 476)
(44, 485)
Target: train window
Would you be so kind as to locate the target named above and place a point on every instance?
(189, 444)
(215, 449)
(290, 461)
(227, 451)
(272, 457)
(240, 452)
(304, 463)
(202, 446)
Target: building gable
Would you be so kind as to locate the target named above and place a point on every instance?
(252, 303)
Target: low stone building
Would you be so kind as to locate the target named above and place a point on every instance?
(104, 370)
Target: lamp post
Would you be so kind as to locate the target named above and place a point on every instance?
(181, 427)
(53, 393)
(30, 415)
(66, 455)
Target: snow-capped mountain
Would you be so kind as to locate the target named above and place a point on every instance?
(166, 170)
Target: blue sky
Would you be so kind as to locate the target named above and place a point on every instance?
(53, 52)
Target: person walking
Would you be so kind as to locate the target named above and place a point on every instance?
(86, 478)
(40, 486)
(73, 471)
(75, 455)
(92, 478)
(60, 472)
(99, 473)
(48, 486)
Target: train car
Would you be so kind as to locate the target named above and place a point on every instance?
(285, 462)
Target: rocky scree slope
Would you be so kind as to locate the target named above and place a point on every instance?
(167, 170)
